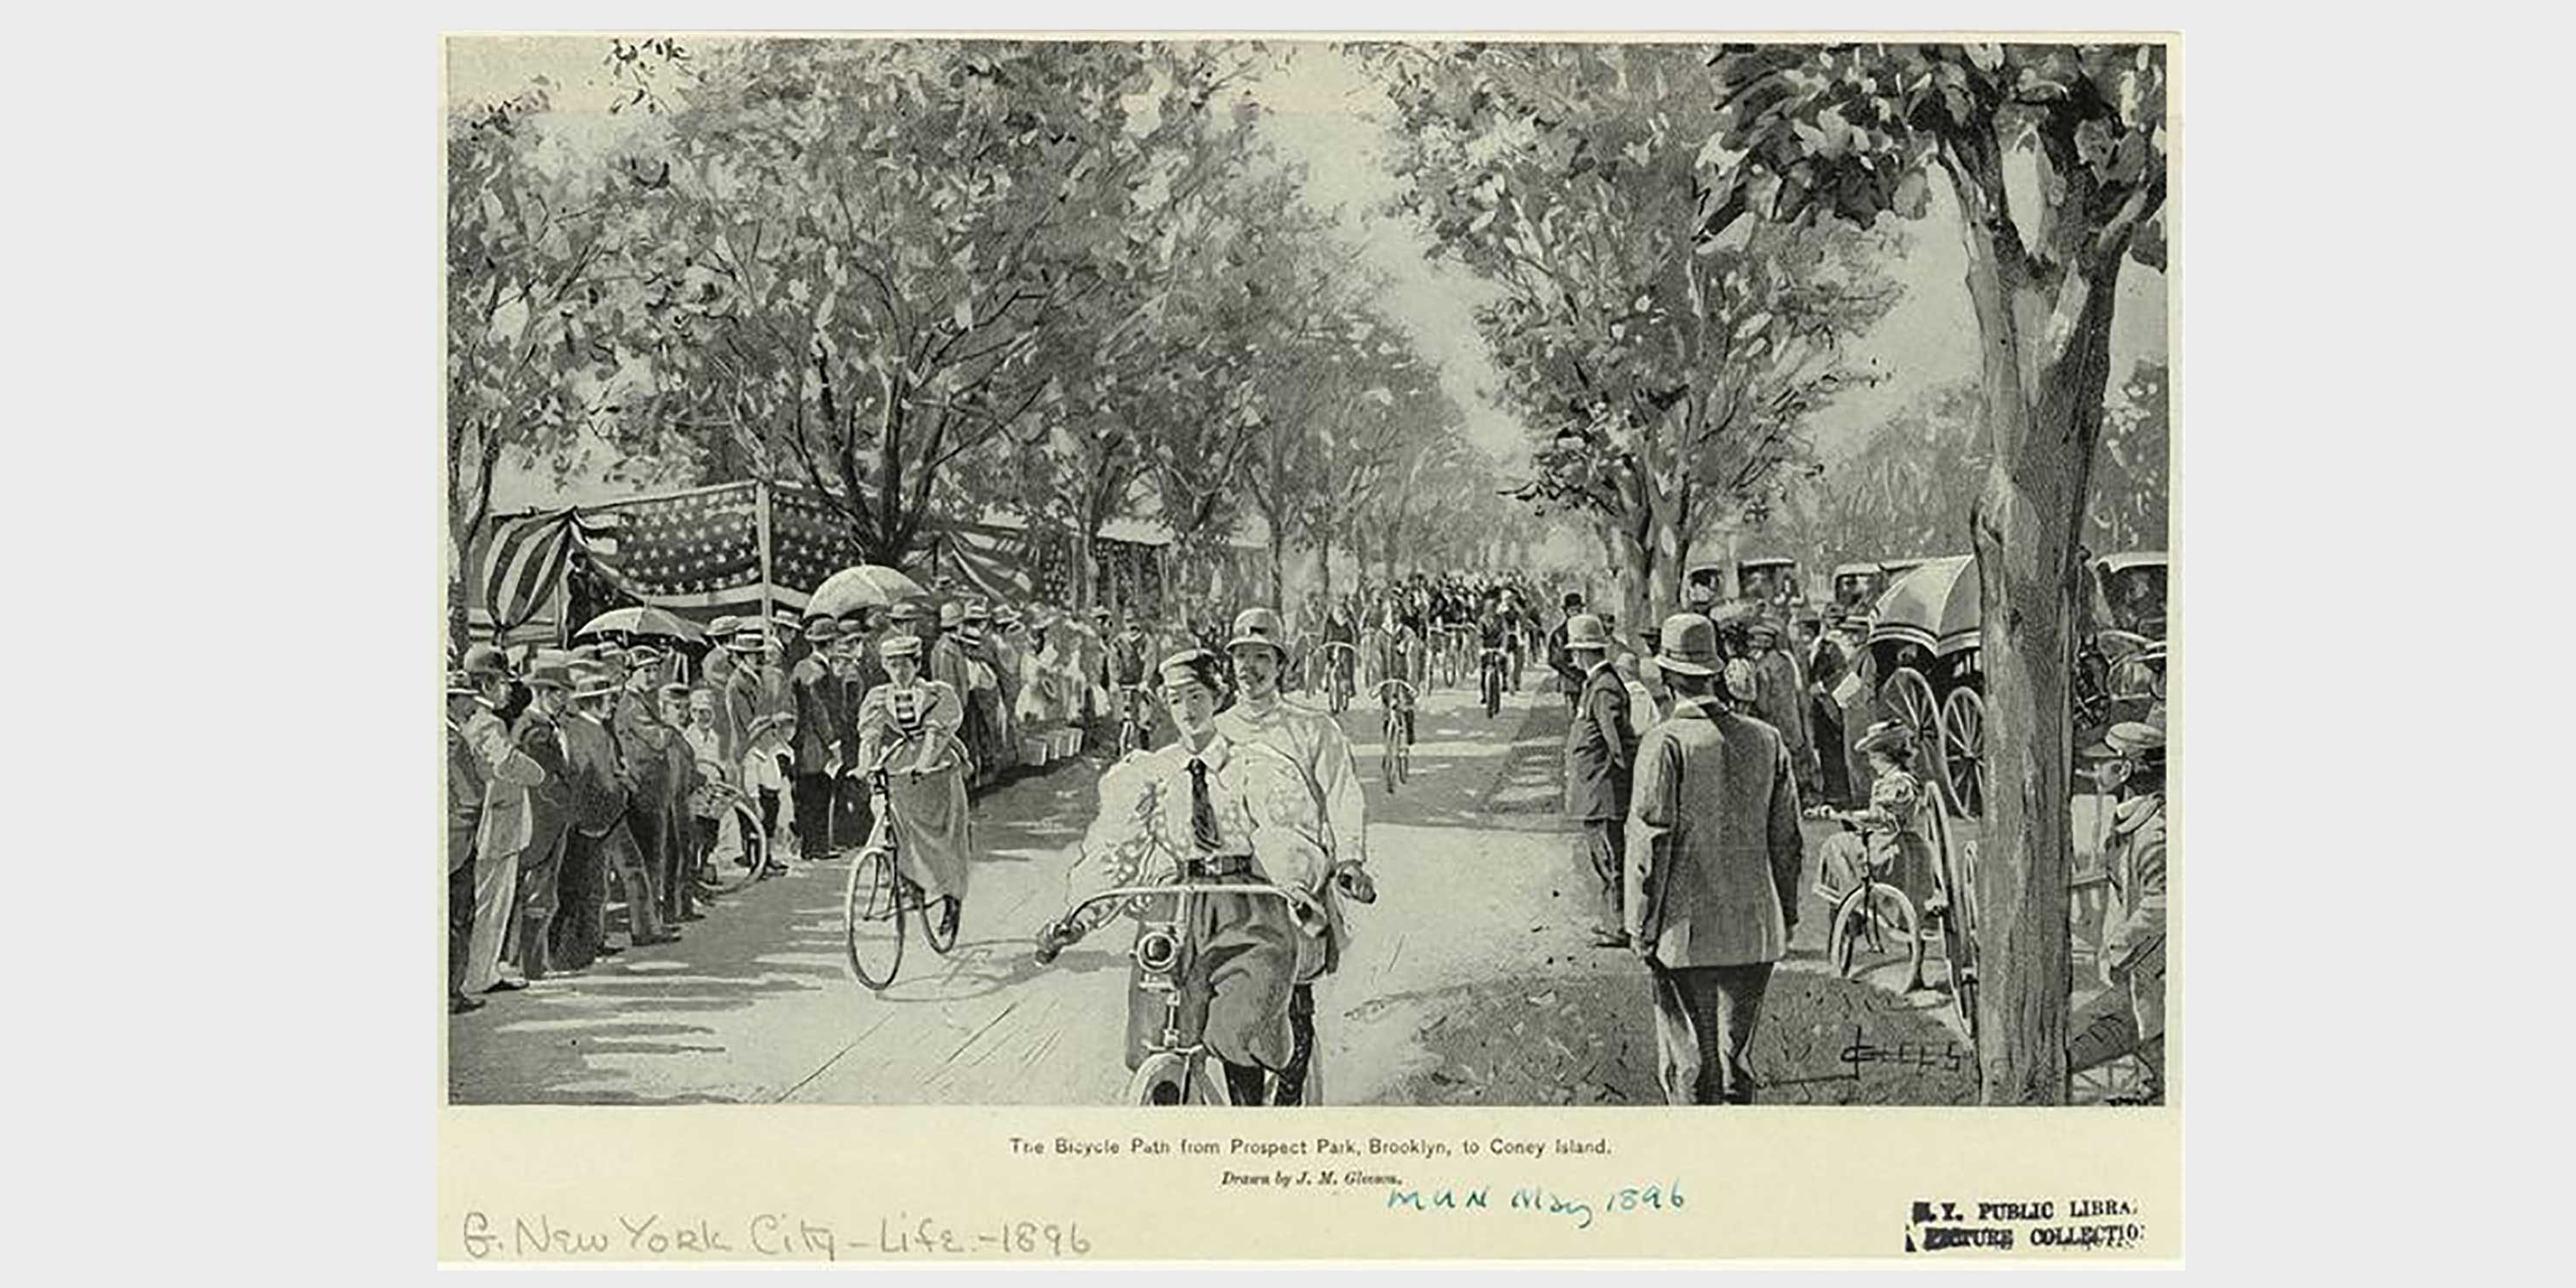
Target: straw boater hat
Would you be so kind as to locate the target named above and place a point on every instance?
(2133, 739)
(822, 630)
(723, 628)
(1584, 632)
(977, 611)
(1259, 626)
(1888, 734)
(899, 645)
(551, 670)
(952, 615)
(1687, 645)
(592, 680)
(907, 611)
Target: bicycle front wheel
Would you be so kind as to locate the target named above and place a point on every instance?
(1170, 1078)
(1876, 926)
(872, 918)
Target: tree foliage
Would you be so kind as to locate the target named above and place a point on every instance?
(1666, 379)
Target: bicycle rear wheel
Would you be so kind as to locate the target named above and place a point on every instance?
(872, 918)
(940, 919)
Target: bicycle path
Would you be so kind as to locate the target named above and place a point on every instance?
(756, 1004)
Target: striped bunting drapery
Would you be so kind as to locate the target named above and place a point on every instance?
(696, 553)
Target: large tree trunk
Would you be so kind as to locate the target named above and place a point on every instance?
(2045, 354)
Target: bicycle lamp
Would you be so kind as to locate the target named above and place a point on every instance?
(1158, 951)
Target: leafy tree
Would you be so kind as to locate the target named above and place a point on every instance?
(868, 245)
(1851, 132)
(530, 249)
(2132, 495)
(1667, 378)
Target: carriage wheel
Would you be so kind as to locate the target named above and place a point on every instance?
(1958, 872)
(872, 918)
(1963, 745)
(1907, 698)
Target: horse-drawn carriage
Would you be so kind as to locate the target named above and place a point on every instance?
(1924, 649)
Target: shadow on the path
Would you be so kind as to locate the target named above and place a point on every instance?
(593, 1036)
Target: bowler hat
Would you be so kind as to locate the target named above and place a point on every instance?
(1573, 600)
(639, 656)
(822, 630)
(1687, 646)
(1584, 631)
(952, 614)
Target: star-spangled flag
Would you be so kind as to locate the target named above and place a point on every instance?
(695, 553)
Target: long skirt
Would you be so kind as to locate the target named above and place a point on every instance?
(934, 838)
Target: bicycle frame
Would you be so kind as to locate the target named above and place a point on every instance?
(1164, 948)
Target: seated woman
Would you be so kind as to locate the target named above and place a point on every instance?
(925, 778)
(1883, 843)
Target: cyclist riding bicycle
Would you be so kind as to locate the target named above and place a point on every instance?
(1236, 809)
(909, 724)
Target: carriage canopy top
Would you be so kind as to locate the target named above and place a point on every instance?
(1935, 605)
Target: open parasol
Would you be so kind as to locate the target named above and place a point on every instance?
(1934, 605)
(862, 586)
(642, 620)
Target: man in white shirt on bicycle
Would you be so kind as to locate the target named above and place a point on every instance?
(1315, 742)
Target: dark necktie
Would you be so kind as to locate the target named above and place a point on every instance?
(1202, 814)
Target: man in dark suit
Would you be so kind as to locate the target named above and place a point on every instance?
(550, 809)
(602, 782)
(1569, 674)
(1600, 753)
(819, 741)
(643, 741)
(1711, 872)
